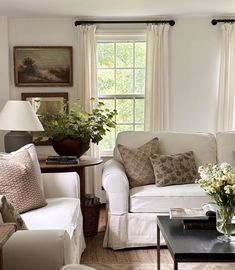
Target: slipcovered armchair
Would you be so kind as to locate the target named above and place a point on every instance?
(55, 232)
(54, 235)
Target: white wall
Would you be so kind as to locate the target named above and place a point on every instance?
(194, 60)
(43, 32)
(194, 71)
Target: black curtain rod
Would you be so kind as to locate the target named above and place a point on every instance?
(214, 22)
(171, 22)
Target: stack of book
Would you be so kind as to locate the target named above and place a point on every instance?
(61, 160)
(196, 218)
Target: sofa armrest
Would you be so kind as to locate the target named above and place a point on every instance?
(116, 185)
(37, 250)
(61, 184)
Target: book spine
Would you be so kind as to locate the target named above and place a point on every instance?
(199, 225)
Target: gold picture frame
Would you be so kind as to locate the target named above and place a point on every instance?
(43, 66)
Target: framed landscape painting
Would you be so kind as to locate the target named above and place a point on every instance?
(43, 66)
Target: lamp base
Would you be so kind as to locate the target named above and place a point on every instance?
(14, 140)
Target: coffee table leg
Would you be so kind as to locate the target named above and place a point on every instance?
(158, 248)
(175, 265)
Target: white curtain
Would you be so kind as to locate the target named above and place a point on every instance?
(87, 89)
(4, 70)
(225, 120)
(156, 86)
(87, 64)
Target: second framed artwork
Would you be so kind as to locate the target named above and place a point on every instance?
(45, 103)
(43, 66)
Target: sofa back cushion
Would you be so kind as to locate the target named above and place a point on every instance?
(225, 147)
(203, 145)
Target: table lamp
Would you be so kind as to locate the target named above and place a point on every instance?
(18, 117)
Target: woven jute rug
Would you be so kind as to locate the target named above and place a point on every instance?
(182, 266)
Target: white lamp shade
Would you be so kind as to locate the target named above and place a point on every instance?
(18, 115)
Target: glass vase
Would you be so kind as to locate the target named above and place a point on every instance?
(225, 223)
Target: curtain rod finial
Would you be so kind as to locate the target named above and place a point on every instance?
(214, 22)
(172, 23)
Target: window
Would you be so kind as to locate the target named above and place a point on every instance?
(121, 85)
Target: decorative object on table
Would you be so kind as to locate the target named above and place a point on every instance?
(61, 160)
(196, 218)
(189, 213)
(18, 117)
(219, 183)
(45, 103)
(43, 66)
(72, 132)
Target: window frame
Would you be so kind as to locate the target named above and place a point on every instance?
(114, 38)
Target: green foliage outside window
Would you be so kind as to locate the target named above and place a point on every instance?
(120, 73)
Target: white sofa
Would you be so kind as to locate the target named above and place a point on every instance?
(132, 212)
(55, 236)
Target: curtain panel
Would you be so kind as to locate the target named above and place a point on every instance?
(156, 86)
(225, 110)
(87, 89)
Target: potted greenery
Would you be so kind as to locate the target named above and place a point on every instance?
(71, 132)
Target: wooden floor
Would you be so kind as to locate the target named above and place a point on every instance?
(95, 253)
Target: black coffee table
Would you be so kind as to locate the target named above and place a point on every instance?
(192, 245)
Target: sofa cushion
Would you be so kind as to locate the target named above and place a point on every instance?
(60, 213)
(175, 169)
(9, 214)
(137, 164)
(18, 182)
(153, 199)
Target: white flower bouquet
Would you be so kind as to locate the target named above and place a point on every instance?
(219, 183)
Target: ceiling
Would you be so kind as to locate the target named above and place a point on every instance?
(115, 8)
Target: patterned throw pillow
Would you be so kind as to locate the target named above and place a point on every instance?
(33, 154)
(174, 169)
(9, 214)
(18, 182)
(137, 163)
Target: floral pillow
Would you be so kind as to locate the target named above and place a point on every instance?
(174, 169)
(9, 214)
(137, 163)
